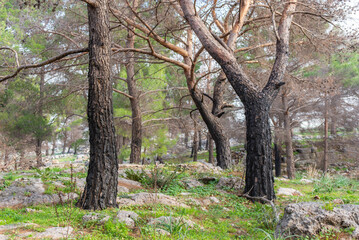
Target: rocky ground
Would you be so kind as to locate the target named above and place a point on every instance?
(203, 202)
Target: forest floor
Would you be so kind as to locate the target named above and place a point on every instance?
(214, 213)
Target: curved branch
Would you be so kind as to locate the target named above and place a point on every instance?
(44, 63)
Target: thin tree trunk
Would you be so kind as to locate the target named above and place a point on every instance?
(47, 149)
(54, 144)
(325, 158)
(65, 142)
(210, 149)
(288, 138)
(199, 140)
(39, 140)
(101, 183)
(136, 138)
(333, 115)
(277, 160)
(259, 174)
(38, 153)
(186, 138)
(6, 156)
(195, 141)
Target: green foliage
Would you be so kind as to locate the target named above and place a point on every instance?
(159, 143)
(46, 175)
(328, 184)
(160, 178)
(116, 230)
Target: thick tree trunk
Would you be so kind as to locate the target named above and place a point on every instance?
(101, 183)
(259, 174)
(210, 149)
(288, 138)
(136, 138)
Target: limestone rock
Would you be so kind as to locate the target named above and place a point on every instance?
(55, 233)
(289, 192)
(167, 220)
(214, 199)
(235, 183)
(162, 232)
(30, 191)
(127, 217)
(144, 198)
(97, 217)
(192, 183)
(311, 218)
(129, 184)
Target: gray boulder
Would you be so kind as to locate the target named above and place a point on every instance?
(55, 233)
(30, 191)
(235, 183)
(311, 218)
(95, 217)
(144, 198)
(192, 183)
(127, 217)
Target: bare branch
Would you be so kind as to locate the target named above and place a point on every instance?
(15, 53)
(44, 63)
(123, 93)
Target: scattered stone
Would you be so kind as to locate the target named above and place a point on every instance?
(214, 199)
(144, 198)
(127, 217)
(226, 209)
(162, 232)
(121, 189)
(235, 183)
(311, 218)
(192, 183)
(96, 217)
(204, 209)
(306, 181)
(185, 194)
(29, 210)
(14, 226)
(206, 202)
(289, 192)
(167, 220)
(3, 237)
(282, 179)
(193, 201)
(338, 201)
(129, 184)
(55, 233)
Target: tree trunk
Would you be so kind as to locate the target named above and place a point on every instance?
(199, 140)
(210, 149)
(195, 141)
(53, 144)
(6, 156)
(65, 142)
(136, 138)
(288, 138)
(325, 158)
(101, 183)
(223, 150)
(40, 112)
(47, 149)
(259, 174)
(38, 153)
(186, 138)
(277, 160)
(333, 115)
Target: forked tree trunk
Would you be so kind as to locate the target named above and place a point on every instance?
(288, 138)
(223, 150)
(101, 183)
(259, 173)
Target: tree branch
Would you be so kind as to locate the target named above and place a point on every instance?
(123, 93)
(51, 60)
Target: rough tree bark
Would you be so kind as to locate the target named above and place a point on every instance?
(136, 137)
(101, 183)
(259, 175)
